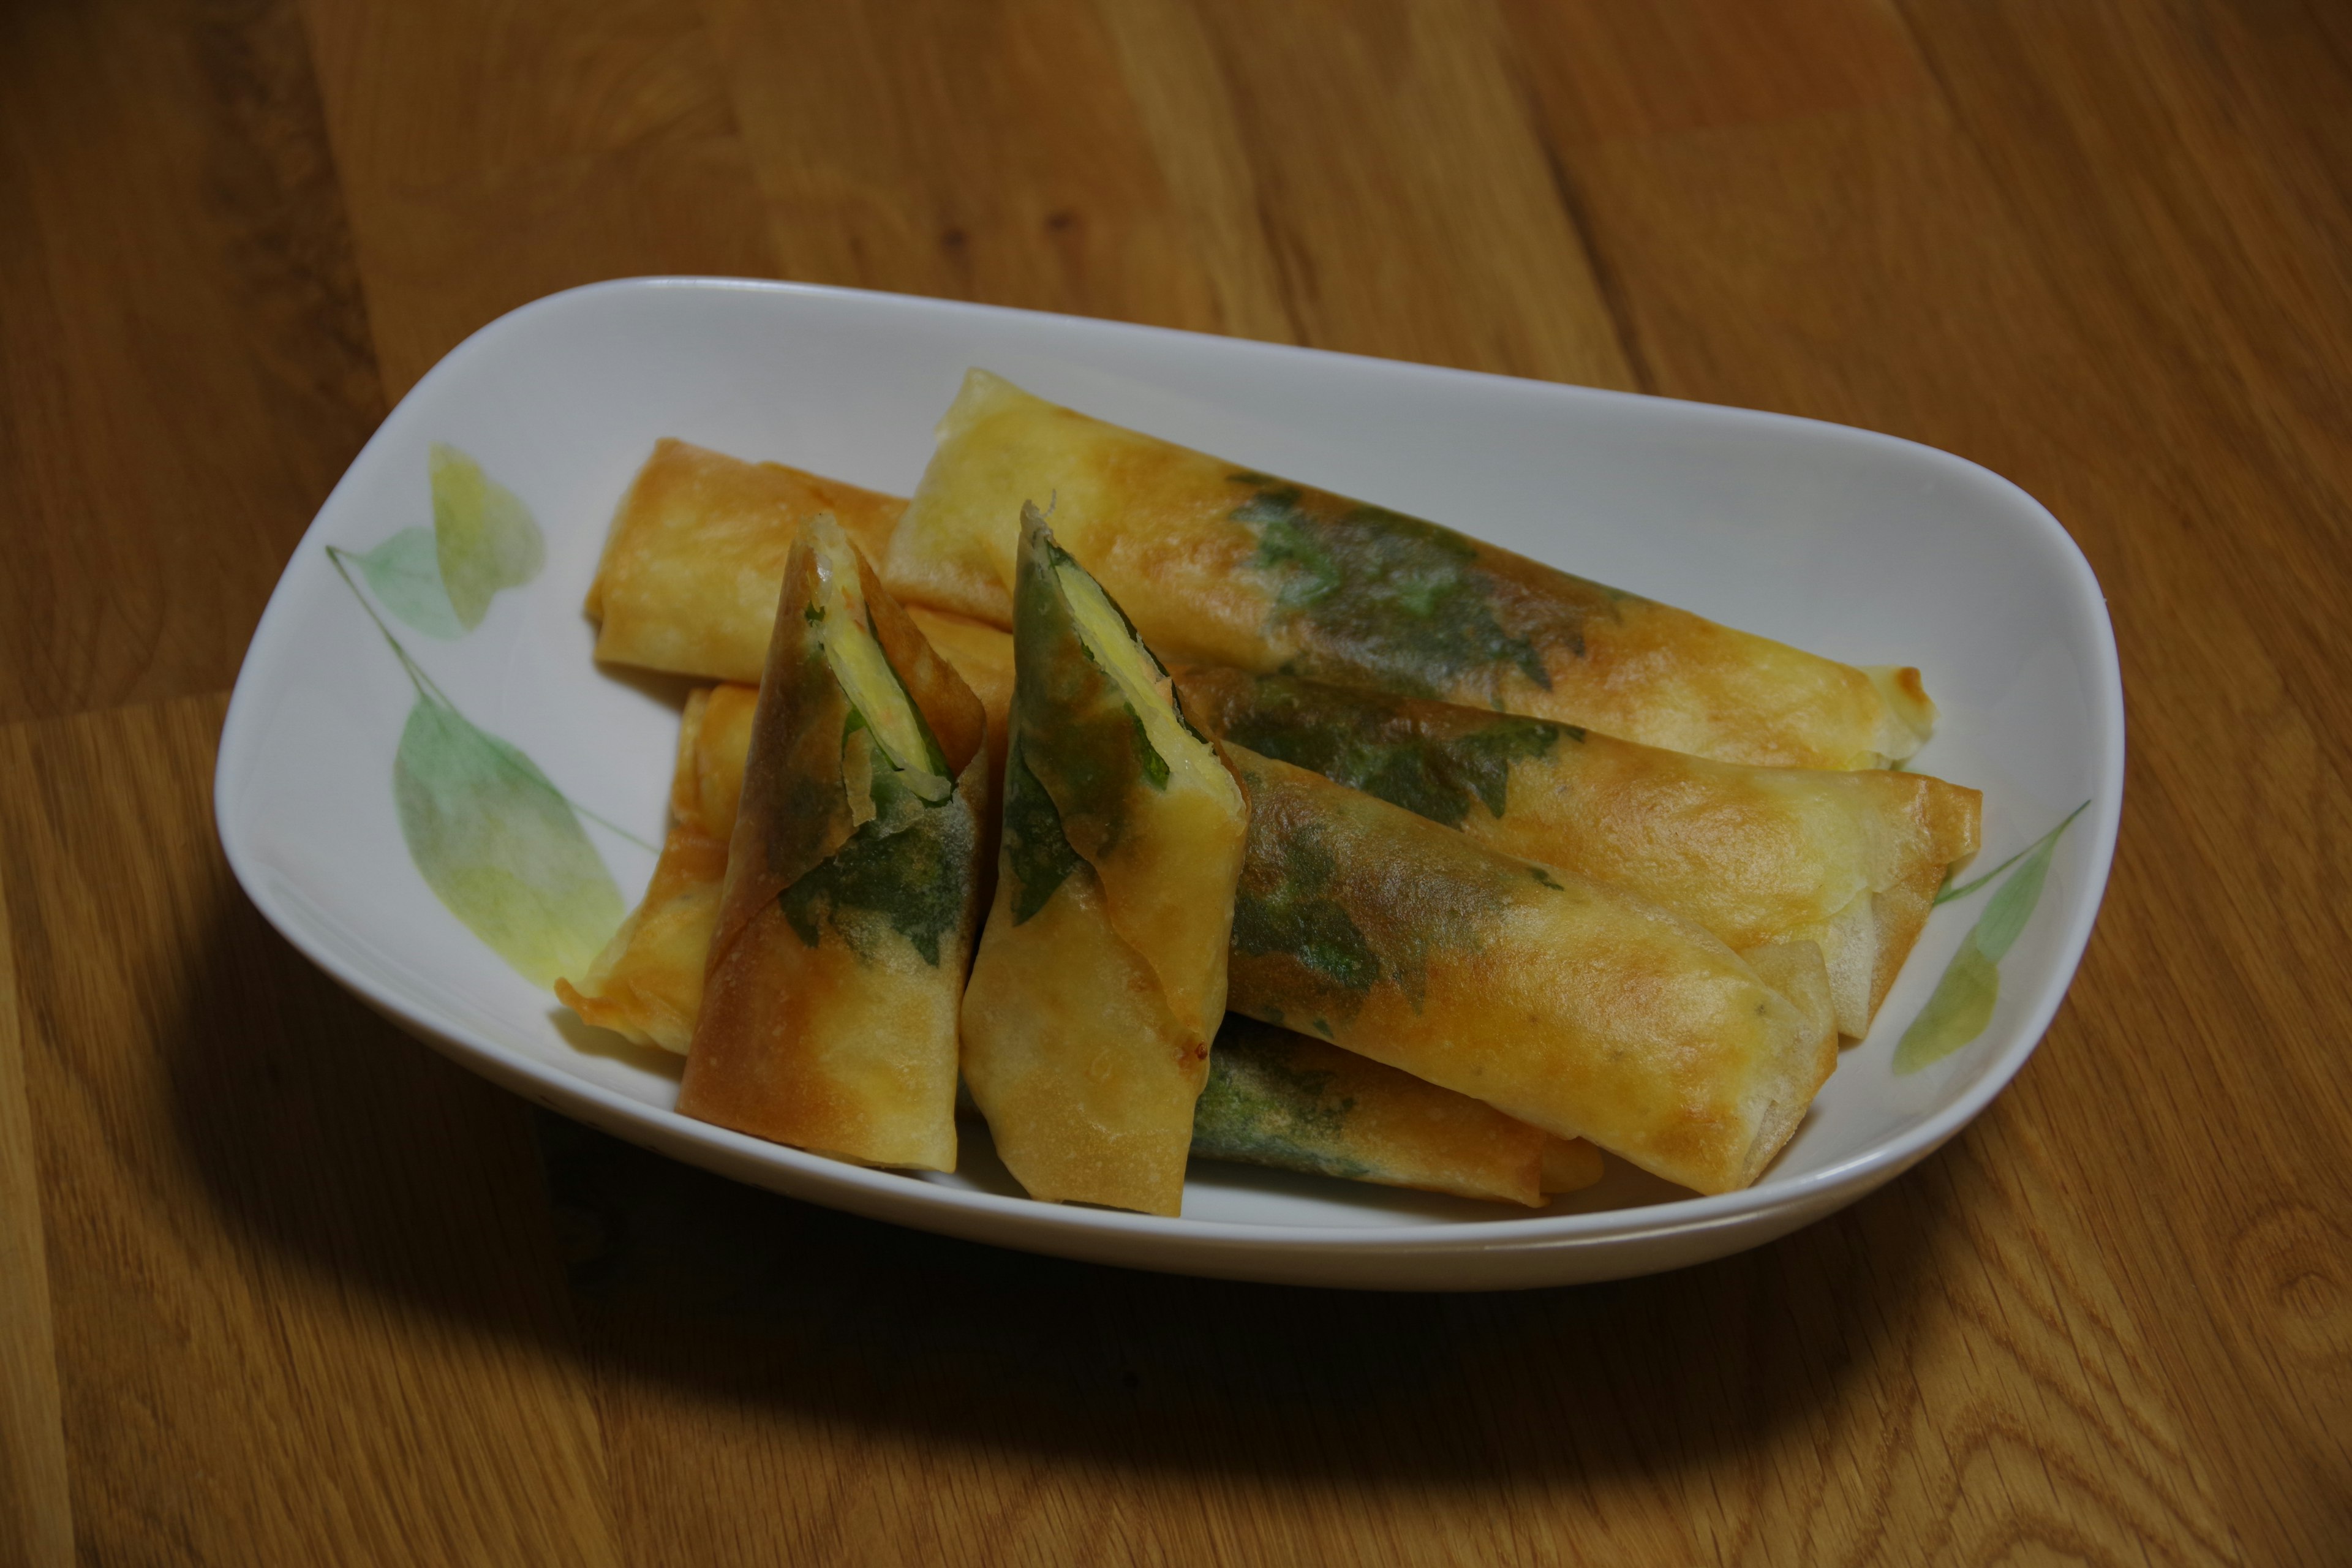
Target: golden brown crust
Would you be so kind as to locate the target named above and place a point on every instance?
(1101, 975)
(721, 754)
(1086, 1078)
(1218, 564)
(690, 570)
(825, 1049)
(1569, 1166)
(828, 1017)
(982, 656)
(1561, 1001)
(1755, 855)
(647, 986)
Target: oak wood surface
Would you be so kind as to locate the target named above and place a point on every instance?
(278, 1285)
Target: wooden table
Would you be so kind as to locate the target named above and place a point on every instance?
(278, 1286)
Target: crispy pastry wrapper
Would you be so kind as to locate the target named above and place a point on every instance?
(696, 560)
(1279, 1099)
(982, 656)
(1849, 861)
(647, 983)
(828, 1017)
(697, 552)
(1569, 1166)
(1218, 564)
(1310, 1107)
(1100, 978)
(1562, 1002)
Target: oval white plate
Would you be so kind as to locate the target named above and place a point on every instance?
(1858, 546)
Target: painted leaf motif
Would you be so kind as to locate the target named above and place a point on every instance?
(1957, 1012)
(2011, 905)
(1961, 1007)
(499, 847)
(485, 537)
(405, 572)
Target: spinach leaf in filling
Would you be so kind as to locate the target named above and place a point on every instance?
(1340, 893)
(1259, 1107)
(1292, 912)
(1037, 855)
(1370, 741)
(1381, 597)
(913, 878)
(1096, 744)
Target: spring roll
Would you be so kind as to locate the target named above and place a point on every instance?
(1218, 564)
(696, 559)
(982, 656)
(1274, 1098)
(1560, 1001)
(1569, 1165)
(1850, 861)
(845, 929)
(697, 552)
(646, 984)
(1100, 978)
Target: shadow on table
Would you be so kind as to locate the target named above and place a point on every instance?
(333, 1137)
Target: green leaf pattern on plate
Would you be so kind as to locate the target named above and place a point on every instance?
(498, 843)
(405, 572)
(499, 846)
(441, 580)
(1963, 1002)
(485, 536)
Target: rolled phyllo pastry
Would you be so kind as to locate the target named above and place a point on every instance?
(828, 1017)
(696, 551)
(1272, 1097)
(1850, 861)
(647, 983)
(1217, 563)
(1566, 1003)
(1276, 1098)
(1100, 978)
(982, 656)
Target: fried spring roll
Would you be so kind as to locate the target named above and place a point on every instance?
(696, 551)
(1850, 861)
(1569, 1165)
(647, 983)
(1290, 1102)
(1218, 564)
(1274, 1098)
(1100, 978)
(982, 656)
(828, 1014)
(1560, 1000)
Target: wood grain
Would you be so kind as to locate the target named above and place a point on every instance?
(493, 153)
(1887, 235)
(1405, 196)
(183, 362)
(36, 1508)
(278, 1286)
(987, 152)
(304, 1287)
(1712, 1416)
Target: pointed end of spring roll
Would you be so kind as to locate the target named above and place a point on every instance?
(1145, 798)
(828, 1019)
(1910, 712)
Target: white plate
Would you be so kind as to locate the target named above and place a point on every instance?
(1859, 546)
